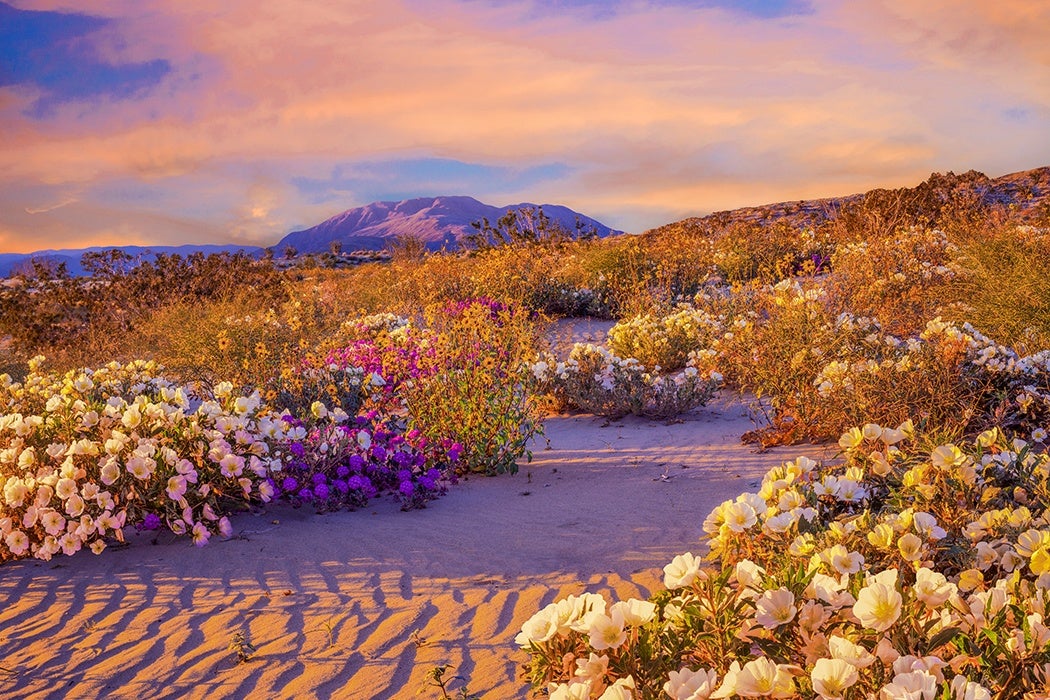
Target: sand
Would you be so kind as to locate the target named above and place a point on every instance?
(363, 604)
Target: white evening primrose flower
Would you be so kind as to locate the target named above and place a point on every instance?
(947, 456)
(851, 439)
(17, 542)
(932, 588)
(687, 684)
(635, 612)
(910, 547)
(682, 571)
(915, 685)
(832, 678)
(592, 670)
(200, 534)
(963, 689)
(319, 410)
(607, 631)
(748, 574)
(878, 606)
(570, 691)
(853, 654)
(539, 628)
(739, 516)
(762, 677)
(775, 608)
(870, 431)
(1039, 435)
(619, 690)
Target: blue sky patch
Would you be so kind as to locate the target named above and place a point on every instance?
(404, 179)
(49, 50)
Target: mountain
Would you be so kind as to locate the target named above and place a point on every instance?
(14, 263)
(437, 221)
(1024, 195)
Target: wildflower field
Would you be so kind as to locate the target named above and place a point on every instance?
(171, 395)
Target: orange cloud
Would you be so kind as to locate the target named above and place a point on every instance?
(656, 112)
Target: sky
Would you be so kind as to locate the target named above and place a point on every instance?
(157, 122)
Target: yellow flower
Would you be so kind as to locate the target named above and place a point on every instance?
(910, 547)
(851, 439)
(971, 579)
(881, 536)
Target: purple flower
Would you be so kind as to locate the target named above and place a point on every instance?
(289, 484)
(455, 451)
(379, 452)
(321, 491)
(342, 471)
(404, 475)
(306, 494)
(356, 462)
(407, 488)
(319, 478)
(151, 521)
(341, 486)
(297, 449)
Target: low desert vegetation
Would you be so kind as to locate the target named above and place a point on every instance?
(909, 325)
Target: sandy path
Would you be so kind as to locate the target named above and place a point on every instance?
(363, 604)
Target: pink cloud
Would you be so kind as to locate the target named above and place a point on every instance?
(658, 113)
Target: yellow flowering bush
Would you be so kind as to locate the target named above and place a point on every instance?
(86, 453)
(909, 569)
(664, 341)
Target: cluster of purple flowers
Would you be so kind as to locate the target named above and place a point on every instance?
(346, 466)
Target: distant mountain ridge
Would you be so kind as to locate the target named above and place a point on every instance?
(14, 263)
(436, 221)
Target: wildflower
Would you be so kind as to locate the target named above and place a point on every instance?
(879, 604)
(851, 439)
(963, 689)
(775, 608)
(832, 677)
(947, 456)
(539, 628)
(690, 685)
(635, 612)
(853, 654)
(740, 516)
(910, 547)
(916, 685)
(682, 571)
(570, 691)
(620, 690)
(932, 588)
(760, 677)
(607, 631)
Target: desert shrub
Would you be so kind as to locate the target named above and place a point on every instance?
(901, 280)
(459, 378)
(84, 454)
(236, 339)
(1002, 284)
(816, 373)
(910, 569)
(768, 252)
(664, 342)
(595, 380)
(80, 320)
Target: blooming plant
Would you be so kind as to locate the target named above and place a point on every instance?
(664, 341)
(86, 453)
(335, 462)
(909, 569)
(596, 380)
(461, 378)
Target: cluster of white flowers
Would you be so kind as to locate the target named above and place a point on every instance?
(86, 453)
(595, 379)
(818, 597)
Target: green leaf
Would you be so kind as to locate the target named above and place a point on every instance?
(943, 637)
